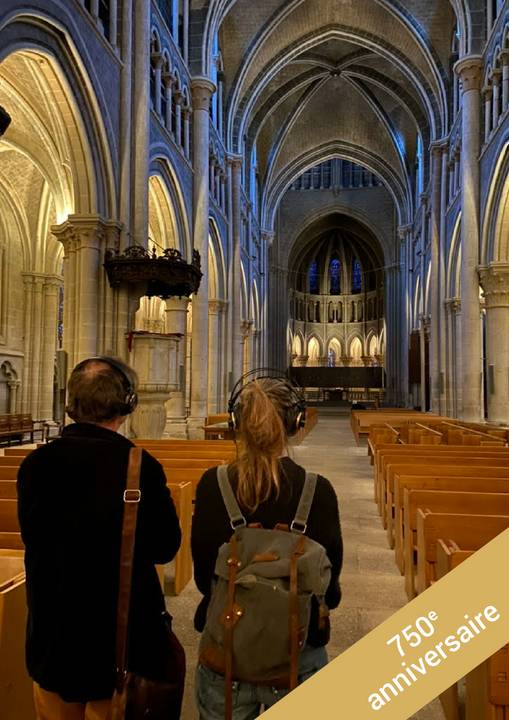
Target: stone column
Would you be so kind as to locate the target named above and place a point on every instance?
(83, 238)
(247, 328)
(236, 304)
(405, 239)
(442, 274)
(51, 292)
(488, 105)
(470, 71)
(186, 114)
(497, 75)
(495, 282)
(505, 80)
(176, 323)
(202, 89)
(168, 79)
(436, 180)
(141, 123)
(179, 98)
(458, 357)
(423, 332)
(157, 59)
(215, 307)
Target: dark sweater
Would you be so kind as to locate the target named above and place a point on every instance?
(211, 528)
(70, 507)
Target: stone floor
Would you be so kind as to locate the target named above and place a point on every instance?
(371, 584)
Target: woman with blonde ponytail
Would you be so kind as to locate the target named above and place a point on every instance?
(267, 485)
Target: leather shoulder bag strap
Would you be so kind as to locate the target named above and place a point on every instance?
(132, 497)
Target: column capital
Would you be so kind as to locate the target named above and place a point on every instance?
(496, 75)
(495, 284)
(177, 304)
(453, 304)
(439, 146)
(246, 327)
(80, 231)
(505, 57)
(469, 71)
(487, 92)
(216, 306)
(202, 88)
(234, 160)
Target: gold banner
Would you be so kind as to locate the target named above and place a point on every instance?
(419, 652)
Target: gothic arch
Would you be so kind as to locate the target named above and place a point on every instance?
(495, 230)
(81, 122)
(162, 168)
(453, 278)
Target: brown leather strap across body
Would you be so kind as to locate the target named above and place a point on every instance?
(137, 697)
(132, 497)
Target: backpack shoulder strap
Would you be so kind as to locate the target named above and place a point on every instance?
(237, 519)
(300, 521)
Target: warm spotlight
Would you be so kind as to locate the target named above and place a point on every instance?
(5, 120)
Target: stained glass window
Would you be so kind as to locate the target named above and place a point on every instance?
(313, 279)
(356, 277)
(335, 277)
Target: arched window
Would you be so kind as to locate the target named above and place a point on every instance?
(356, 277)
(313, 279)
(155, 57)
(335, 276)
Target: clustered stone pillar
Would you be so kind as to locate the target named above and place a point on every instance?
(437, 390)
(176, 323)
(236, 305)
(215, 310)
(83, 238)
(495, 282)
(202, 89)
(469, 70)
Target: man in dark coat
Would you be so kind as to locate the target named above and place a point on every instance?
(70, 500)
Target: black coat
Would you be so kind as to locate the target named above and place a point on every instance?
(211, 528)
(70, 504)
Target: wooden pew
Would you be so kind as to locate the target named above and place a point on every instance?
(418, 453)
(8, 490)
(487, 686)
(487, 467)
(463, 503)
(447, 483)
(465, 530)
(182, 494)
(15, 685)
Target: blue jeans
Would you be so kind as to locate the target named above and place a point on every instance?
(248, 699)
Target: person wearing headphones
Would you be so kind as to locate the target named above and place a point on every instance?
(70, 505)
(267, 485)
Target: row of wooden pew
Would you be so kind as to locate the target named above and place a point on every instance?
(440, 503)
(408, 426)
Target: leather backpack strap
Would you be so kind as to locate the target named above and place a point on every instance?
(229, 628)
(293, 598)
(132, 497)
(300, 521)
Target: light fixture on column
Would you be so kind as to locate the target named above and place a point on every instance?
(5, 120)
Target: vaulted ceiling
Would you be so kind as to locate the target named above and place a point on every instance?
(306, 80)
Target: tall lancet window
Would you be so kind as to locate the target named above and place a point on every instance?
(356, 277)
(313, 279)
(335, 276)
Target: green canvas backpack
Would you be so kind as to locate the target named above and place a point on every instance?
(259, 611)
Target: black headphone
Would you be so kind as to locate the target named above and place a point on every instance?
(294, 415)
(130, 401)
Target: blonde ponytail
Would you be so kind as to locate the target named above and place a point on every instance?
(261, 441)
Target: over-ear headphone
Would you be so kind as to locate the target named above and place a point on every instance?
(130, 400)
(294, 416)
